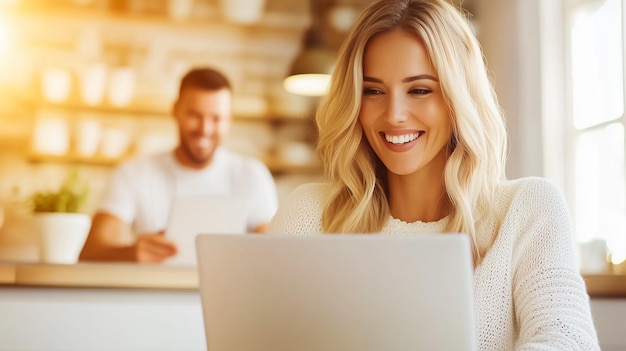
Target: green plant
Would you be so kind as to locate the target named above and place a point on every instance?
(69, 198)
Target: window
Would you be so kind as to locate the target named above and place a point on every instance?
(595, 31)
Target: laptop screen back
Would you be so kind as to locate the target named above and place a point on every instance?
(336, 292)
(195, 214)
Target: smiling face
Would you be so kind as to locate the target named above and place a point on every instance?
(403, 113)
(203, 118)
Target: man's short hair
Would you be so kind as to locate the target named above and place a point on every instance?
(204, 78)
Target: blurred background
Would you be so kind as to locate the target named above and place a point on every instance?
(87, 83)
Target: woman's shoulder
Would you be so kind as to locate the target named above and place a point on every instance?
(308, 190)
(530, 188)
(301, 211)
(532, 196)
(306, 197)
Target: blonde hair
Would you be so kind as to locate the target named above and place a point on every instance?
(357, 200)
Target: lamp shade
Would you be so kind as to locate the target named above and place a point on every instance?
(310, 72)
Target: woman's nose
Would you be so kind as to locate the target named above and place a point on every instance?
(397, 109)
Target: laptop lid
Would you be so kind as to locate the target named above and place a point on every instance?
(353, 292)
(194, 214)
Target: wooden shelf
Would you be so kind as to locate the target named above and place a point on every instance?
(606, 285)
(277, 166)
(211, 18)
(144, 110)
(272, 118)
(75, 159)
(274, 165)
(105, 109)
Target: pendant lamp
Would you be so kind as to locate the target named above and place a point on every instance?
(310, 71)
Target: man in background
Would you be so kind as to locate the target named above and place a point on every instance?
(141, 191)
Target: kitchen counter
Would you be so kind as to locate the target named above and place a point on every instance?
(157, 307)
(606, 285)
(99, 275)
(162, 277)
(99, 306)
(7, 273)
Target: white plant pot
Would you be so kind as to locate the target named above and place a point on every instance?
(61, 236)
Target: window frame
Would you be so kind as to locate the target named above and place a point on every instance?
(571, 134)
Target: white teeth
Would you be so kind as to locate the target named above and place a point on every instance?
(401, 139)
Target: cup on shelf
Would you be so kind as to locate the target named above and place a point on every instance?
(50, 134)
(56, 84)
(594, 256)
(92, 79)
(121, 87)
(88, 134)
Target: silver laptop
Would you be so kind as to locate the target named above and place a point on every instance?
(351, 292)
(194, 214)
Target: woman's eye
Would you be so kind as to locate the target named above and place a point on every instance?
(371, 91)
(419, 91)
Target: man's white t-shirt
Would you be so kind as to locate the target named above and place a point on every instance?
(141, 191)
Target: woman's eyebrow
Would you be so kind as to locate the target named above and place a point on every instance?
(405, 80)
(372, 79)
(419, 77)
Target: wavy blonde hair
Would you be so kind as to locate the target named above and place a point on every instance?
(357, 200)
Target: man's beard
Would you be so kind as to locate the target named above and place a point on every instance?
(198, 160)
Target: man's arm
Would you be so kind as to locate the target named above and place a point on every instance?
(261, 228)
(104, 243)
(264, 202)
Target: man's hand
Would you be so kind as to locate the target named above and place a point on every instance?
(104, 243)
(153, 248)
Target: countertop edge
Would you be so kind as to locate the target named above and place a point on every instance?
(104, 275)
(162, 277)
(8, 273)
(605, 285)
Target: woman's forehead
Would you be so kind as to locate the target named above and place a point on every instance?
(397, 53)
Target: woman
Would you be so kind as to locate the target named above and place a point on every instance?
(413, 141)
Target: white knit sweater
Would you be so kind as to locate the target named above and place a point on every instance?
(528, 292)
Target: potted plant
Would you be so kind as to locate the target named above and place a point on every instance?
(61, 227)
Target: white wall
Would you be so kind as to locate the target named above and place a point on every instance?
(509, 34)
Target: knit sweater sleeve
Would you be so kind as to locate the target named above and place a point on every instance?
(301, 212)
(551, 304)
